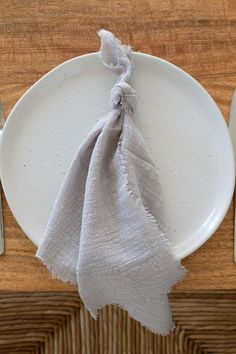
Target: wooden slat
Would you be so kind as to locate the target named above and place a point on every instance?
(57, 320)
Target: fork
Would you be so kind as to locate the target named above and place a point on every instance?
(2, 121)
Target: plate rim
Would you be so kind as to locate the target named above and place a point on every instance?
(221, 212)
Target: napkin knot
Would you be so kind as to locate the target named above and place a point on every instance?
(123, 95)
(118, 58)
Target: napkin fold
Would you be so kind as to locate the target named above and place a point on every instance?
(107, 229)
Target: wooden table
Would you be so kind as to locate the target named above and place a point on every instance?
(198, 36)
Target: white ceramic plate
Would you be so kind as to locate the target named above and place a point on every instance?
(180, 122)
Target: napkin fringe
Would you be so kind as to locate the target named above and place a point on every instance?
(60, 276)
(123, 307)
(57, 274)
(151, 218)
(131, 194)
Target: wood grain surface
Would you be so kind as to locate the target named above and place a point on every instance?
(199, 36)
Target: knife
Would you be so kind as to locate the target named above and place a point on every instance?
(2, 121)
(232, 132)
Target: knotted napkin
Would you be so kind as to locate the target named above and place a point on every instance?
(107, 229)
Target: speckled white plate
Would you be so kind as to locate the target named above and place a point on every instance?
(180, 122)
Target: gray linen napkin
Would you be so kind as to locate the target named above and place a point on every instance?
(107, 230)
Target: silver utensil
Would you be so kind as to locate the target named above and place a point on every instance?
(232, 132)
(2, 121)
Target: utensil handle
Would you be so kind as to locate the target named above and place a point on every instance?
(2, 243)
(1, 227)
(234, 227)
